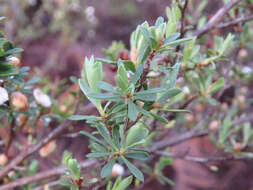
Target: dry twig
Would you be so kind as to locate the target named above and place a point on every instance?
(216, 18)
(43, 175)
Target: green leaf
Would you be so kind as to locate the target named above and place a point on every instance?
(136, 134)
(168, 94)
(97, 147)
(120, 83)
(83, 117)
(121, 78)
(93, 73)
(91, 181)
(177, 42)
(171, 76)
(33, 167)
(129, 65)
(135, 171)
(105, 96)
(159, 118)
(98, 154)
(122, 72)
(146, 97)
(2, 18)
(105, 86)
(150, 91)
(116, 135)
(171, 38)
(106, 61)
(125, 183)
(137, 74)
(105, 134)
(85, 89)
(216, 86)
(74, 168)
(92, 137)
(137, 155)
(176, 110)
(146, 35)
(132, 111)
(107, 169)
(13, 51)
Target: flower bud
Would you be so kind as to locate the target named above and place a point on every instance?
(41, 98)
(15, 61)
(19, 102)
(63, 108)
(3, 95)
(3, 159)
(156, 105)
(117, 170)
(243, 54)
(189, 117)
(213, 126)
(47, 149)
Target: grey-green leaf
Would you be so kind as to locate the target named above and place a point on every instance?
(135, 171)
(107, 169)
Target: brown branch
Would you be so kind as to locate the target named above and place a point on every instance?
(216, 18)
(244, 18)
(193, 133)
(11, 135)
(30, 150)
(200, 159)
(43, 175)
(182, 30)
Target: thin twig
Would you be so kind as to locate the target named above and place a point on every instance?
(241, 19)
(216, 18)
(200, 159)
(25, 153)
(34, 148)
(43, 175)
(182, 30)
(193, 133)
(11, 136)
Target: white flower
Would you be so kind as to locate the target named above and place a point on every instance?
(117, 170)
(246, 70)
(41, 98)
(3, 95)
(186, 90)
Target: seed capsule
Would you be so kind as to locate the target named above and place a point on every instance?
(48, 149)
(3, 159)
(19, 102)
(214, 126)
(117, 170)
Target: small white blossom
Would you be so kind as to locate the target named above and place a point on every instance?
(41, 98)
(246, 70)
(117, 170)
(186, 90)
(3, 95)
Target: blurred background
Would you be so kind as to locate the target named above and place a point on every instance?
(56, 35)
(62, 32)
